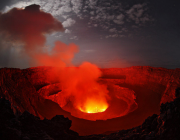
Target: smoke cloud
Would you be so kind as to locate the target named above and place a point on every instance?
(60, 56)
(24, 32)
(26, 28)
(29, 25)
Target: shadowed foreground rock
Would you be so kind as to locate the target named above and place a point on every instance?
(29, 127)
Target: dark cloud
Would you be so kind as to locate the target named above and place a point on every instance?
(3, 3)
(25, 26)
(29, 25)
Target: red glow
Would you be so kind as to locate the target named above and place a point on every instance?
(82, 94)
(80, 87)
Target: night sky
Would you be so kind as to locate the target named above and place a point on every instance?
(109, 33)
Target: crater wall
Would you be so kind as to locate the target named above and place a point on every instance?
(24, 89)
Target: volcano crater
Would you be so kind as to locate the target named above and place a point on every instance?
(30, 89)
(122, 102)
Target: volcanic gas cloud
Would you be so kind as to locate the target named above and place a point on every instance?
(83, 94)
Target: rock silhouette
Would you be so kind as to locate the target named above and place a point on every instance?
(27, 126)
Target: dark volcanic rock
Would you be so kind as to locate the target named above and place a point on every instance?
(29, 127)
(15, 87)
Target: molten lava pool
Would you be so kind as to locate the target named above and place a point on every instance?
(121, 102)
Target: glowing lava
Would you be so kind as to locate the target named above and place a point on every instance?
(94, 106)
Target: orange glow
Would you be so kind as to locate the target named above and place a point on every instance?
(83, 93)
(94, 106)
(82, 89)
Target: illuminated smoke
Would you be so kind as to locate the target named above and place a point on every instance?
(80, 86)
(81, 90)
